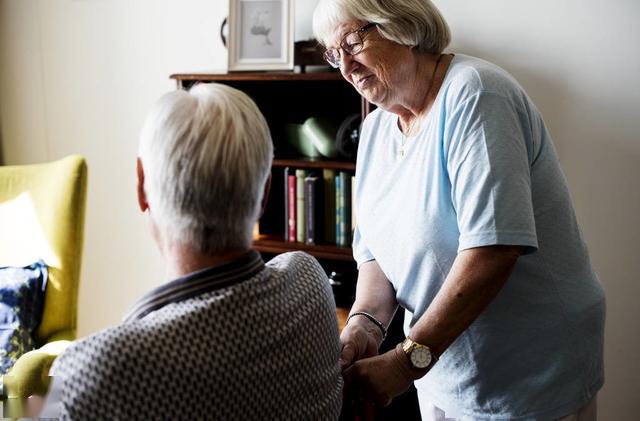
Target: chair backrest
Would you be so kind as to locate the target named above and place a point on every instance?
(42, 212)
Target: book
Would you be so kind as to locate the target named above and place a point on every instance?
(300, 218)
(338, 211)
(329, 211)
(345, 208)
(291, 193)
(311, 210)
(286, 204)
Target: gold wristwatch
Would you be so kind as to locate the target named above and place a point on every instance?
(420, 356)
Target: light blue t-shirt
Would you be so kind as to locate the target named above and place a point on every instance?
(483, 171)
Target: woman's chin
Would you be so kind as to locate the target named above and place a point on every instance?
(374, 97)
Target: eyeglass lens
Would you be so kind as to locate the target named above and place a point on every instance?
(350, 44)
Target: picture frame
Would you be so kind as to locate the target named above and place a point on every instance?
(260, 35)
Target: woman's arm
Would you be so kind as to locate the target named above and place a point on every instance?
(476, 277)
(375, 295)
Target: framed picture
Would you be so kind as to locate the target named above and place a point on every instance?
(260, 35)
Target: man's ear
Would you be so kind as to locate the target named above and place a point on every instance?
(142, 196)
(265, 194)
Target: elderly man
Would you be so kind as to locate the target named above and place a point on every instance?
(229, 337)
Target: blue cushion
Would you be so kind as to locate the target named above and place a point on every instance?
(21, 303)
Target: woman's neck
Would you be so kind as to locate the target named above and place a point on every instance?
(421, 91)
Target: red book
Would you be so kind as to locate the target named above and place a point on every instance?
(285, 234)
(291, 191)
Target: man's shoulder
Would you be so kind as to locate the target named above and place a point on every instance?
(297, 279)
(113, 348)
(296, 263)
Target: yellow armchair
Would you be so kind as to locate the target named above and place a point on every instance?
(42, 212)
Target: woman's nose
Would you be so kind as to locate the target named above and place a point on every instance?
(347, 64)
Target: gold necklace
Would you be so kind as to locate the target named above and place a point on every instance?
(406, 133)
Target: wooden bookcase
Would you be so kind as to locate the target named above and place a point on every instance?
(286, 98)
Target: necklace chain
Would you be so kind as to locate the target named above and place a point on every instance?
(407, 132)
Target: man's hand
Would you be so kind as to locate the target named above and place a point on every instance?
(378, 379)
(358, 341)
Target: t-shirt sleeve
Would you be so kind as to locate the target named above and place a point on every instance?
(489, 169)
(361, 253)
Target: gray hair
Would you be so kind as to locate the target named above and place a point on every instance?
(206, 154)
(408, 22)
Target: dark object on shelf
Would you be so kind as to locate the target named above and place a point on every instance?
(348, 136)
(308, 53)
(295, 136)
(342, 289)
(315, 138)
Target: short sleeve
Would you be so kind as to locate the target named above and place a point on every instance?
(489, 169)
(361, 253)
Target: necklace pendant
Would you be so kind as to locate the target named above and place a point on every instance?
(400, 153)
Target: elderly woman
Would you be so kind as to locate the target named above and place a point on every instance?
(464, 220)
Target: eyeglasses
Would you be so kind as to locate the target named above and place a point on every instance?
(351, 44)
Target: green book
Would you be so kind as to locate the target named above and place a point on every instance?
(300, 211)
(329, 180)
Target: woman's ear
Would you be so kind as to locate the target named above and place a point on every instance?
(142, 196)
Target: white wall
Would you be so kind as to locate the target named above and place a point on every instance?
(78, 77)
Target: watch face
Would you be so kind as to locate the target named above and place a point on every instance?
(420, 357)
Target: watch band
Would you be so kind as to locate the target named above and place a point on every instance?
(409, 345)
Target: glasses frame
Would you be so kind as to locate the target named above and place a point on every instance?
(345, 48)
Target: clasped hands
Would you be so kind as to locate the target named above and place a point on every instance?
(367, 375)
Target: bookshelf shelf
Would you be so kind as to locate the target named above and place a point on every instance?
(181, 78)
(274, 245)
(314, 164)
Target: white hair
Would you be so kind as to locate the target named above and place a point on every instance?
(408, 22)
(206, 155)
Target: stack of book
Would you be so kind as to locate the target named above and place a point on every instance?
(318, 206)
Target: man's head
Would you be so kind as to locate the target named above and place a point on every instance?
(204, 161)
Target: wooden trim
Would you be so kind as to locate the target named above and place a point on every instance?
(314, 164)
(256, 76)
(275, 245)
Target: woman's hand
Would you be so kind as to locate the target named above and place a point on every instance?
(375, 295)
(358, 341)
(378, 379)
